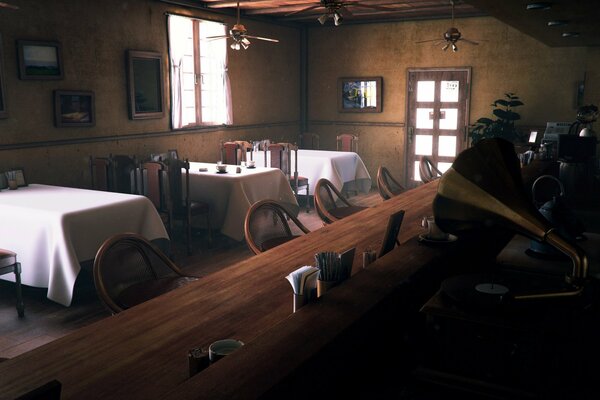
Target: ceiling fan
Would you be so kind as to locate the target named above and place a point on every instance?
(337, 10)
(451, 36)
(239, 35)
(6, 5)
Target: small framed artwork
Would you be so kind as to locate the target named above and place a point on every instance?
(72, 108)
(359, 94)
(145, 84)
(39, 60)
(3, 112)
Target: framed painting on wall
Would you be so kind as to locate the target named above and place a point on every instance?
(359, 94)
(39, 60)
(3, 112)
(145, 84)
(72, 108)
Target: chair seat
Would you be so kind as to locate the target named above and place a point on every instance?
(274, 242)
(143, 291)
(7, 258)
(196, 208)
(342, 212)
(302, 181)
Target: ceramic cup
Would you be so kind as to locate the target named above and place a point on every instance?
(12, 184)
(251, 163)
(433, 231)
(221, 167)
(222, 348)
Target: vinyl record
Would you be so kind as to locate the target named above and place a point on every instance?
(478, 290)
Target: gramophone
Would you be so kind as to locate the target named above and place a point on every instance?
(482, 191)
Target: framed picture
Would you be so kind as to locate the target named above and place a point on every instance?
(73, 108)
(3, 112)
(145, 84)
(39, 60)
(359, 94)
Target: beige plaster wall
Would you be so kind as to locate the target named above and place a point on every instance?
(95, 36)
(505, 61)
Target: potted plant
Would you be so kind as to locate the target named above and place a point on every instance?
(503, 126)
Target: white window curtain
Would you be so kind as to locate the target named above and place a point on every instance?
(215, 75)
(178, 33)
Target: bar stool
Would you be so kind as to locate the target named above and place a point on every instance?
(8, 264)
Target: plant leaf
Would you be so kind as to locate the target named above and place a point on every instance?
(503, 103)
(485, 121)
(515, 103)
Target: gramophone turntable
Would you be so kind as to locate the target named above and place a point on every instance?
(483, 192)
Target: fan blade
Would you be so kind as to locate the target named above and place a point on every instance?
(262, 38)
(217, 37)
(6, 5)
(380, 8)
(468, 41)
(245, 41)
(428, 40)
(446, 46)
(302, 10)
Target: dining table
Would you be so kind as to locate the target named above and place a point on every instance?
(345, 169)
(231, 194)
(53, 229)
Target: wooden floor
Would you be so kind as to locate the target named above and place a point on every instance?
(46, 320)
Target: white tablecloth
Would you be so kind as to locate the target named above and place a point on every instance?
(52, 229)
(230, 195)
(344, 169)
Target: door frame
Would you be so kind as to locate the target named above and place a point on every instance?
(465, 137)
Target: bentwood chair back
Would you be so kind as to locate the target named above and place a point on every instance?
(9, 265)
(230, 153)
(268, 224)
(330, 204)
(129, 269)
(427, 170)
(182, 207)
(347, 142)
(280, 155)
(102, 173)
(387, 185)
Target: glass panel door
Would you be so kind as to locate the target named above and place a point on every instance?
(437, 118)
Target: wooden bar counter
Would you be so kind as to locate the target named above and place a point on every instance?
(143, 352)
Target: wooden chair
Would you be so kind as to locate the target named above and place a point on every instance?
(102, 173)
(10, 265)
(330, 204)
(155, 187)
(244, 149)
(387, 185)
(125, 178)
(427, 170)
(267, 225)
(309, 140)
(181, 207)
(280, 156)
(129, 270)
(230, 153)
(347, 142)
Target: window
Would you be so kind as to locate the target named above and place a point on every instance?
(200, 89)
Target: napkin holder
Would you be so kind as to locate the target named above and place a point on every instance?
(304, 285)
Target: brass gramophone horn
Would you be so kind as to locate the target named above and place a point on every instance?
(483, 188)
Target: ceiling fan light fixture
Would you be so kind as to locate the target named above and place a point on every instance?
(337, 18)
(235, 46)
(322, 19)
(540, 5)
(454, 47)
(557, 22)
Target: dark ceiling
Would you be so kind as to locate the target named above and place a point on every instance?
(582, 17)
